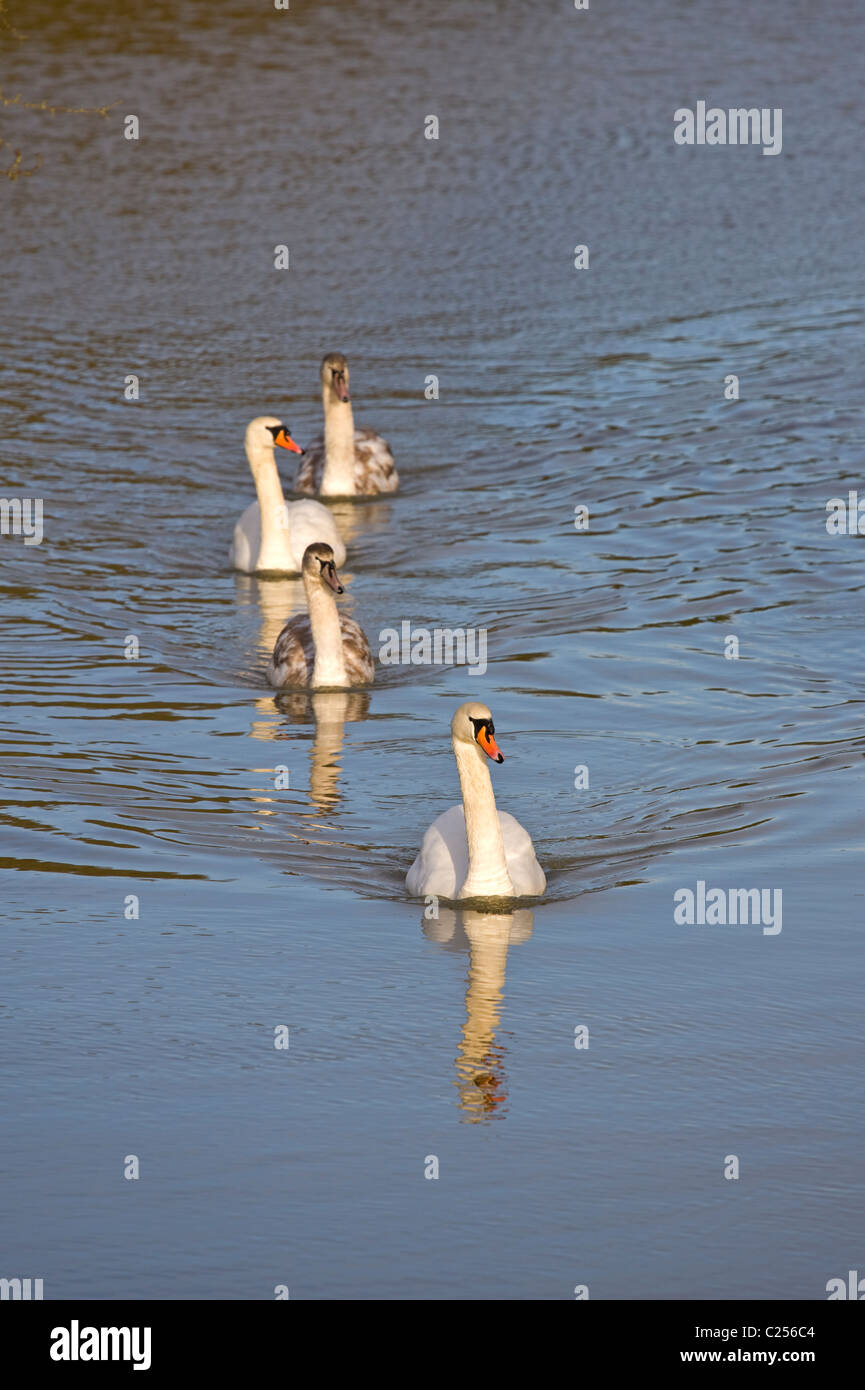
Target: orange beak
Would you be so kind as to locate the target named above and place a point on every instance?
(285, 441)
(489, 745)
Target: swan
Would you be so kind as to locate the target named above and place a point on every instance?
(322, 647)
(345, 462)
(473, 850)
(272, 535)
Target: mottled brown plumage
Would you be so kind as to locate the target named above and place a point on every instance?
(293, 657)
(374, 468)
(323, 647)
(344, 462)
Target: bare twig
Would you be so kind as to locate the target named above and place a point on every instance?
(16, 169)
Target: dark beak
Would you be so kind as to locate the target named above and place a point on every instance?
(331, 577)
(340, 385)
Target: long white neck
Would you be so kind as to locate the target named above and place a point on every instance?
(275, 549)
(329, 664)
(488, 875)
(338, 477)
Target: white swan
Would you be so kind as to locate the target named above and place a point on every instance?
(473, 850)
(322, 647)
(272, 535)
(345, 462)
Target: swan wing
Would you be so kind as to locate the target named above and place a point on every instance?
(246, 544)
(309, 522)
(359, 660)
(293, 654)
(442, 861)
(311, 467)
(525, 872)
(374, 469)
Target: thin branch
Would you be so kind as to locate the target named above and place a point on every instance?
(44, 105)
(16, 169)
(6, 24)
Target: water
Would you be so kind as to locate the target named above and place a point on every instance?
(260, 907)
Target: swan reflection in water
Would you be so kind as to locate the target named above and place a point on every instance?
(480, 1060)
(329, 711)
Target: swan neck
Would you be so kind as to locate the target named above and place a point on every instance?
(488, 871)
(338, 476)
(274, 552)
(329, 663)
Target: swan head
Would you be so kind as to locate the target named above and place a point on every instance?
(267, 430)
(319, 567)
(334, 377)
(473, 723)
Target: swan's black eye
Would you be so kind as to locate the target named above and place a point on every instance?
(277, 429)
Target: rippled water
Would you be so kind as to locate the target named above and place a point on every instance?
(260, 907)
